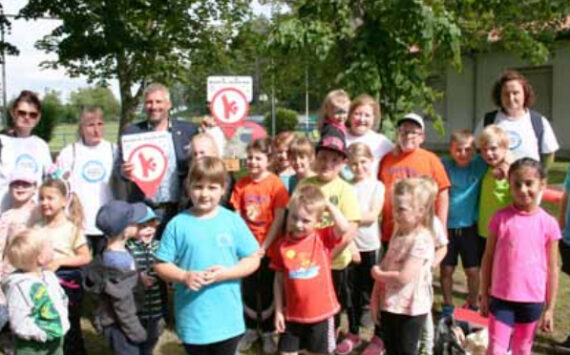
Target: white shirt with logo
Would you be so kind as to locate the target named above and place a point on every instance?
(91, 168)
(523, 141)
(30, 154)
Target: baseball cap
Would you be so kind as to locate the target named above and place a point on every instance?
(332, 139)
(113, 217)
(24, 175)
(412, 117)
(150, 215)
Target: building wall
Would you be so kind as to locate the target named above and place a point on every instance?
(468, 93)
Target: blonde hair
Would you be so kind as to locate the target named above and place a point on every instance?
(423, 191)
(311, 198)
(493, 133)
(206, 137)
(359, 149)
(462, 136)
(210, 169)
(24, 249)
(333, 98)
(301, 146)
(362, 100)
(154, 87)
(283, 139)
(74, 207)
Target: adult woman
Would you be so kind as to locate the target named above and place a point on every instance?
(530, 133)
(19, 149)
(90, 163)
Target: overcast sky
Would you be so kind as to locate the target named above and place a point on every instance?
(23, 71)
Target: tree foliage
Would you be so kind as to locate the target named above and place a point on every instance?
(5, 47)
(285, 120)
(94, 97)
(135, 41)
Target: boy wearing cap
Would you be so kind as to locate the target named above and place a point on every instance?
(114, 279)
(331, 157)
(154, 310)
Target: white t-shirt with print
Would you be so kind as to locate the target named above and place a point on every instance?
(91, 168)
(523, 141)
(378, 144)
(368, 191)
(21, 153)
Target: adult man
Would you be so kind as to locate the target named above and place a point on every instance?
(165, 200)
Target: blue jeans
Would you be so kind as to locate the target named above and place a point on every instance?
(154, 328)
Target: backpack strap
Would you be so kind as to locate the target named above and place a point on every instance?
(538, 128)
(489, 118)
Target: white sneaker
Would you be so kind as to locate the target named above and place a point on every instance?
(247, 340)
(268, 342)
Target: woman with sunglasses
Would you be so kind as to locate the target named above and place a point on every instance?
(19, 149)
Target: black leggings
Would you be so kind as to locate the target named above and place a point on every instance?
(258, 296)
(401, 332)
(224, 347)
(362, 283)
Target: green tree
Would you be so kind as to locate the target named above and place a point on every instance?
(94, 96)
(5, 47)
(135, 41)
(285, 120)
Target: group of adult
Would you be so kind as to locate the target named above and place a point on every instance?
(95, 163)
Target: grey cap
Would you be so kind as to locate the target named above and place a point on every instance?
(113, 217)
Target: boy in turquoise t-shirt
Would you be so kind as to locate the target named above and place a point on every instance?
(465, 171)
(204, 251)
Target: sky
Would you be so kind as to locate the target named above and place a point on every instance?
(24, 72)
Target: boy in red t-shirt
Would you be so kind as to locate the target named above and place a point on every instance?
(305, 300)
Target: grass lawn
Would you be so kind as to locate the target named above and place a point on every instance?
(169, 343)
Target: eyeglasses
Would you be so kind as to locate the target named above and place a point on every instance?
(410, 133)
(340, 112)
(30, 114)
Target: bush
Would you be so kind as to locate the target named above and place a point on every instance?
(285, 120)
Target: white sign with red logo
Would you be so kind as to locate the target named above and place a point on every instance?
(242, 83)
(230, 107)
(146, 151)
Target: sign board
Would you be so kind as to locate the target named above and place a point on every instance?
(146, 151)
(230, 107)
(241, 83)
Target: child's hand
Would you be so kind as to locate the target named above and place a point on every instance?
(547, 321)
(279, 322)
(147, 280)
(194, 280)
(214, 274)
(484, 305)
(376, 273)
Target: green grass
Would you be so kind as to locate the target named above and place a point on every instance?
(169, 343)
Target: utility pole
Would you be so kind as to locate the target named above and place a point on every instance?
(3, 119)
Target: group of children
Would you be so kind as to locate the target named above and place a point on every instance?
(303, 246)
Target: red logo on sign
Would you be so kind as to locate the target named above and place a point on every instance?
(150, 166)
(229, 107)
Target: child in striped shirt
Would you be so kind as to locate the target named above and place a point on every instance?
(153, 313)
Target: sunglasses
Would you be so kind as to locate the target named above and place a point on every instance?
(30, 114)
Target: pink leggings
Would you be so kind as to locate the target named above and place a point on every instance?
(514, 324)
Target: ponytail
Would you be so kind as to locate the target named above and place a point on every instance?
(73, 207)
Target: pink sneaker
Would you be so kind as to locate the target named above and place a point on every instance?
(376, 347)
(348, 344)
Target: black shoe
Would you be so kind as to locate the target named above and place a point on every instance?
(563, 346)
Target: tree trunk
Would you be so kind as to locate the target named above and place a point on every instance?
(129, 101)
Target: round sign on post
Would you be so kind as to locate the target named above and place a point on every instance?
(229, 107)
(150, 164)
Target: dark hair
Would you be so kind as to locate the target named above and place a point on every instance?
(510, 75)
(528, 163)
(263, 145)
(29, 97)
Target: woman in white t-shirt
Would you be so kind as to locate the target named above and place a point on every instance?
(90, 163)
(19, 149)
(363, 118)
(514, 96)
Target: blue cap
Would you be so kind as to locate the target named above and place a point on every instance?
(113, 217)
(150, 215)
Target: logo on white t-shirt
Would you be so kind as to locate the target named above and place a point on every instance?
(514, 139)
(26, 162)
(93, 171)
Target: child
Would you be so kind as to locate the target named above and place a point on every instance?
(143, 248)
(37, 304)
(334, 111)
(363, 118)
(465, 170)
(301, 156)
(260, 198)
(402, 290)
(205, 251)
(370, 193)
(305, 304)
(331, 157)
(113, 278)
(62, 222)
(519, 273)
(281, 165)
(493, 143)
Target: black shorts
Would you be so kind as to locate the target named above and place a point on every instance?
(565, 256)
(315, 337)
(224, 347)
(464, 242)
